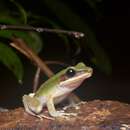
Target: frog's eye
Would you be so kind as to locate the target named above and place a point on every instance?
(70, 73)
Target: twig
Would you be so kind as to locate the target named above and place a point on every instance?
(20, 45)
(40, 29)
(36, 79)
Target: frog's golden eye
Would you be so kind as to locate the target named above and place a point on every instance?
(70, 73)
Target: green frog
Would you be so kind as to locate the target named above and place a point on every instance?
(56, 89)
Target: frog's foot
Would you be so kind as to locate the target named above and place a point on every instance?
(63, 114)
(41, 116)
(81, 103)
(76, 106)
(68, 106)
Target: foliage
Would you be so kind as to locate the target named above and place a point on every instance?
(7, 56)
(11, 60)
(74, 21)
(66, 16)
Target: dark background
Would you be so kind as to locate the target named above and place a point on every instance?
(112, 31)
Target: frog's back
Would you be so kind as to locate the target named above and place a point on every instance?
(50, 85)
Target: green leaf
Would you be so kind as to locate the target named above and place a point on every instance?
(8, 20)
(9, 58)
(53, 25)
(74, 22)
(32, 39)
(63, 37)
(21, 10)
(93, 4)
(37, 43)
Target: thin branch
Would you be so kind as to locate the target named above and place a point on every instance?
(20, 45)
(36, 79)
(40, 29)
(20, 49)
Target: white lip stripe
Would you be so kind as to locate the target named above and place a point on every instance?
(83, 76)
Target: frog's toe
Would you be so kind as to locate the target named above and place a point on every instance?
(70, 114)
(41, 116)
(63, 114)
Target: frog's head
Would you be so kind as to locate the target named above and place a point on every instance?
(73, 76)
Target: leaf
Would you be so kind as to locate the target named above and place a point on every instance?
(54, 25)
(9, 58)
(107, 68)
(8, 20)
(74, 22)
(21, 10)
(93, 4)
(63, 37)
(32, 39)
(37, 43)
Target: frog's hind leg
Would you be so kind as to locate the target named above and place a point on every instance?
(29, 104)
(26, 105)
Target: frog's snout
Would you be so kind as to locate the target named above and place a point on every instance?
(90, 70)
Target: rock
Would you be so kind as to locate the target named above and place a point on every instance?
(92, 115)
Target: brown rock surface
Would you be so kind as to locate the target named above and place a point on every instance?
(92, 115)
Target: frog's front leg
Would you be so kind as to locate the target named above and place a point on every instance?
(53, 112)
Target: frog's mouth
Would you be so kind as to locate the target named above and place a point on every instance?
(75, 81)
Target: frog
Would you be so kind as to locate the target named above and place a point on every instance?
(55, 90)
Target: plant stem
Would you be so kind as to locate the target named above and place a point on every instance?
(20, 45)
(40, 29)
(36, 80)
